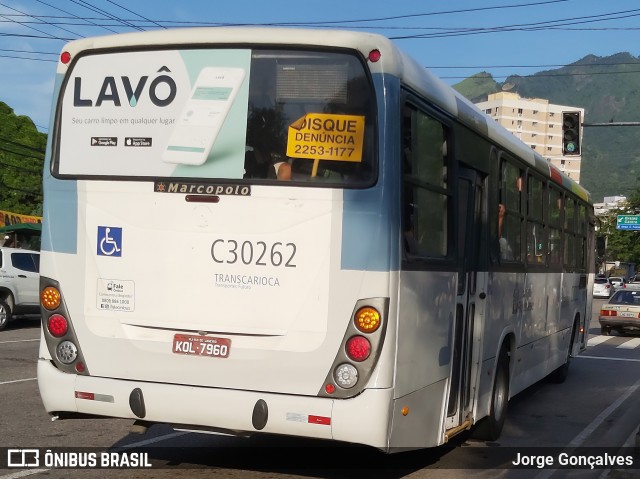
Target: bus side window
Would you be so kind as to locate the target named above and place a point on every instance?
(510, 233)
(425, 188)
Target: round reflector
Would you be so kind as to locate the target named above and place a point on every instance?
(367, 319)
(57, 325)
(67, 352)
(346, 375)
(374, 56)
(50, 298)
(65, 57)
(358, 348)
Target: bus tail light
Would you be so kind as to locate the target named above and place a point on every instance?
(57, 325)
(346, 375)
(367, 319)
(59, 334)
(50, 298)
(359, 350)
(66, 352)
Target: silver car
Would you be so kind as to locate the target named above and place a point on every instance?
(602, 288)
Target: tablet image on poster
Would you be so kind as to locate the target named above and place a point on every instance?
(203, 115)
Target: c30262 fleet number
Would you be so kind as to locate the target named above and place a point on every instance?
(257, 253)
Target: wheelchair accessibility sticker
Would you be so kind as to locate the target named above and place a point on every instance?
(109, 241)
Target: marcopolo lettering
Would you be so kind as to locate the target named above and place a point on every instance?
(202, 189)
(161, 91)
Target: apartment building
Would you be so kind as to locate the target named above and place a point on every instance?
(537, 123)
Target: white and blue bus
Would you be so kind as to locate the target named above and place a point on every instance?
(293, 232)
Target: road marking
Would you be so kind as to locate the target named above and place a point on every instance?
(597, 340)
(19, 341)
(631, 344)
(17, 381)
(152, 440)
(609, 359)
(28, 472)
(590, 429)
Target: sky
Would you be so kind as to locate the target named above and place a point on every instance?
(454, 38)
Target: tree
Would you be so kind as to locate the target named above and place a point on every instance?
(21, 161)
(623, 245)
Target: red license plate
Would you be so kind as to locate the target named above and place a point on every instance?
(201, 346)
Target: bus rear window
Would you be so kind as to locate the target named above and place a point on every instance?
(255, 116)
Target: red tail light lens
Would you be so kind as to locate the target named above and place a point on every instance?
(608, 312)
(57, 325)
(358, 348)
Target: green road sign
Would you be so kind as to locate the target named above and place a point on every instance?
(628, 222)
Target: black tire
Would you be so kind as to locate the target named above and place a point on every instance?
(605, 331)
(560, 375)
(490, 428)
(5, 314)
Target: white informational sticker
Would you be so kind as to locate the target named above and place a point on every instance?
(115, 295)
(292, 416)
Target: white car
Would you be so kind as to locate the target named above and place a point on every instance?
(602, 288)
(621, 313)
(618, 282)
(19, 284)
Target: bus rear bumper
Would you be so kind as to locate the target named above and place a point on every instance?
(219, 409)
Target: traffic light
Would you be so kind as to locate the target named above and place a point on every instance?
(571, 133)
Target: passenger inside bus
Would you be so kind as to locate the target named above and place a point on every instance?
(505, 249)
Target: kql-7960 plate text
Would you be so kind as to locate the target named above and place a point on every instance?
(201, 346)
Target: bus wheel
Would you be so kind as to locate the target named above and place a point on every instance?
(560, 375)
(5, 314)
(489, 428)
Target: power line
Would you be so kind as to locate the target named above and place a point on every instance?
(572, 65)
(88, 6)
(30, 27)
(20, 168)
(431, 67)
(526, 26)
(23, 156)
(22, 145)
(74, 15)
(540, 75)
(28, 192)
(28, 51)
(29, 58)
(326, 23)
(42, 22)
(130, 11)
(22, 35)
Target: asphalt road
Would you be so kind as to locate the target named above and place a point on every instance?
(595, 408)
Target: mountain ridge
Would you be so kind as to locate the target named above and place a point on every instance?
(608, 89)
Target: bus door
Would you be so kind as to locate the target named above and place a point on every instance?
(471, 221)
